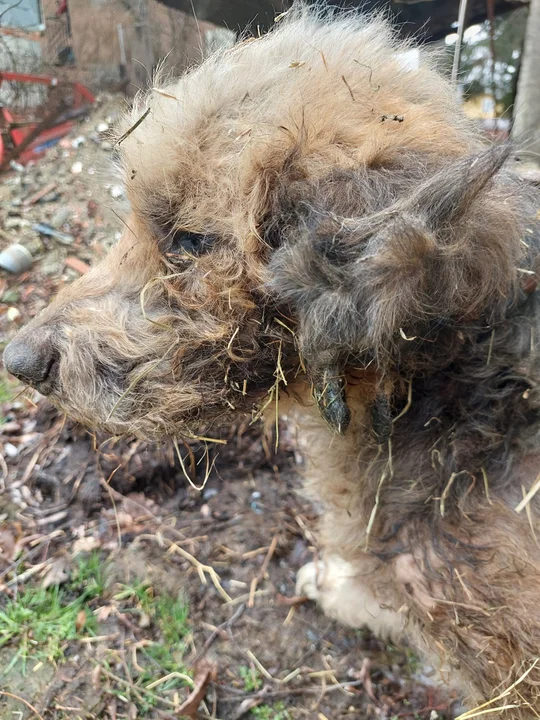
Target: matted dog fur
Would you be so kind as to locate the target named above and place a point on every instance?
(314, 220)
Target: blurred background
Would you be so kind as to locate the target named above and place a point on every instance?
(128, 587)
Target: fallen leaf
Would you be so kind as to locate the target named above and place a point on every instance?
(95, 676)
(7, 545)
(206, 671)
(85, 544)
(245, 706)
(144, 620)
(56, 574)
(103, 612)
(138, 505)
(80, 622)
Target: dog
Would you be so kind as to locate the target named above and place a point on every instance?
(315, 224)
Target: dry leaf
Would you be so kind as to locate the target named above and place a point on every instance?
(138, 505)
(245, 706)
(206, 671)
(297, 63)
(144, 620)
(56, 574)
(103, 612)
(7, 545)
(85, 544)
(95, 676)
(80, 622)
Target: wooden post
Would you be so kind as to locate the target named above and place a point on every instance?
(143, 51)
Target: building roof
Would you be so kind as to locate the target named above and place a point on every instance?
(428, 19)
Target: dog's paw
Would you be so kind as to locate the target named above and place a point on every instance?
(307, 580)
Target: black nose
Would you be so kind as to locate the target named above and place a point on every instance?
(33, 358)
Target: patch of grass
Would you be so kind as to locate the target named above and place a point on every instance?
(251, 677)
(169, 617)
(6, 392)
(265, 712)
(88, 577)
(41, 622)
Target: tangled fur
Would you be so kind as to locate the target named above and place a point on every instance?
(314, 216)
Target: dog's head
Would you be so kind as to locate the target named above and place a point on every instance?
(289, 199)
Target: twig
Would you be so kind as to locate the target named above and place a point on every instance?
(224, 625)
(201, 569)
(262, 571)
(284, 693)
(133, 127)
(25, 702)
(179, 675)
(260, 667)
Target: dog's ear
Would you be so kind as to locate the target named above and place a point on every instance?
(395, 263)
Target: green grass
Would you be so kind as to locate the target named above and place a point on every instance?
(265, 712)
(251, 678)
(5, 391)
(88, 577)
(41, 622)
(169, 618)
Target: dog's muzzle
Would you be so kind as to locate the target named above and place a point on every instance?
(33, 358)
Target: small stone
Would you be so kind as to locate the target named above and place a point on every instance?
(15, 223)
(12, 314)
(61, 217)
(10, 450)
(78, 141)
(77, 168)
(33, 244)
(102, 127)
(209, 493)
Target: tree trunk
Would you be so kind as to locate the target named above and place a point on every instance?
(526, 130)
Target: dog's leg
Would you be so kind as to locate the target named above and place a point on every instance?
(344, 595)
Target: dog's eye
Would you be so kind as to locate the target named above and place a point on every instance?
(190, 243)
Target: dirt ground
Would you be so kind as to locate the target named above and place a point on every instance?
(126, 593)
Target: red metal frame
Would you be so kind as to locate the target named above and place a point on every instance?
(81, 98)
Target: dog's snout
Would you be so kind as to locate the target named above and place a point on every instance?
(32, 357)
